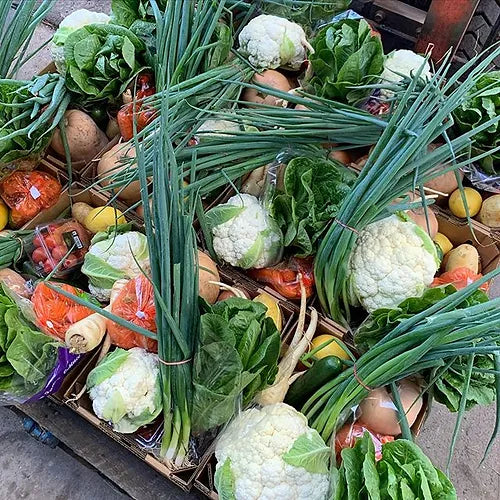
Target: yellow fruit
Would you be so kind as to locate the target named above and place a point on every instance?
(473, 199)
(4, 215)
(100, 218)
(443, 242)
(332, 349)
(273, 309)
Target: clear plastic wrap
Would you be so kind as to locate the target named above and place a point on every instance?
(27, 193)
(135, 303)
(481, 180)
(66, 240)
(32, 364)
(54, 312)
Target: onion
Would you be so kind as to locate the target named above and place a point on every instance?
(378, 412)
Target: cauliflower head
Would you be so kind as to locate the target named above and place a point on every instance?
(74, 21)
(256, 458)
(244, 234)
(403, 62)
(272, 41)
(393, 259)
(125, 389)
(117, 256)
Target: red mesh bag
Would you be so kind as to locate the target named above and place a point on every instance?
(27, 193)
(135, 303)
(54, 312)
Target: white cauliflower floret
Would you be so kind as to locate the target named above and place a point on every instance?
(74, 21)
(130, 396)
(394, 259)
(255, 442)
(272, 41)
(249, 239)
(403, 62)
(126, 253)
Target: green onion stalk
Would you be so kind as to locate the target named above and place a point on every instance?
(18, 22)
(30, 111)
(173, 257)
(430, 340)
(398, 164)
(12, 246)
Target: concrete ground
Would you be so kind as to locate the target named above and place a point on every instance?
(29, 469)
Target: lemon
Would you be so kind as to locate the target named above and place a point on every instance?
(273, 309)
(473, 199)
(332, 349)
(100, 218)
(443, 242)
(4, 215)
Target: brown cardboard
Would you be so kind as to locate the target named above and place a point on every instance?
(74, 193)
(182, 476)
(486, 242)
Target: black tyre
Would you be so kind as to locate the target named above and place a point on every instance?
(483, 31)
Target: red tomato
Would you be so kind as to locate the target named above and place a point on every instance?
(50, 242)
(39, 255)
(70, 261)
(37, 240)
(48, 267)
(59, 252)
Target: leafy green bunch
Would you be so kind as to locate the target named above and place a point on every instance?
(29, 112)
(314, 189)
(237, 355)
(404, 472)
(347, 54)
(27, 356)
(483, 104)
(102, 60)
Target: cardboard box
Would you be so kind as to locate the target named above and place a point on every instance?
(71, 194)
(183, 477)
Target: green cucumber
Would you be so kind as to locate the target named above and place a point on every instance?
(322, 371)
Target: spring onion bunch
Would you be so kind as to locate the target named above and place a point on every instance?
(398, 164)
(18, 22)
(11, 246)
(29, 112)
(430, 340)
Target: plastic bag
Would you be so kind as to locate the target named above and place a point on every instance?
(65, 240)
(32, 364)
(135, 303)
(27, 193)
(347, 435)
(284, 277)
(55, 312)
(481, 180)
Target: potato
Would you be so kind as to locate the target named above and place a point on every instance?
(227, 294)
(341, 156)
(207, 272)
(268, 78)
(112, 129)
(418, 216)
(378, 413)
(464, 255)
(446, 183)
(490, 211)
(85, 138)
(110, 164)
(80, 210)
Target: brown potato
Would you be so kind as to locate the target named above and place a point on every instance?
(490, 211)
(418, 216)
(85, 138)
(110, 164)
(207, 272)
(268, 78)
(464, 255)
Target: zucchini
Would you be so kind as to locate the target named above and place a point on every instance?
(321, 372)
